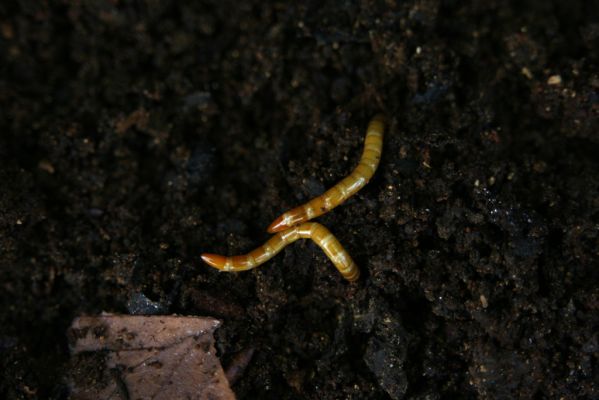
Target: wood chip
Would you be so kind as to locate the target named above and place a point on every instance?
(143, 357)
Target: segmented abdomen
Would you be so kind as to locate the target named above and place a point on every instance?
(346, 188)
(310, 230)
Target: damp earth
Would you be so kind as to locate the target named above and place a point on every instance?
(135, 136)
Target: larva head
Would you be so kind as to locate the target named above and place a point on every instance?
(288, 219)
(277, 225)
(214, 260)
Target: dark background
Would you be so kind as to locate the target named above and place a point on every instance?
(136, 135)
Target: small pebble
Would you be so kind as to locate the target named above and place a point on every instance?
(554, 80)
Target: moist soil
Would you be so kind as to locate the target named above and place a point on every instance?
(136, 135)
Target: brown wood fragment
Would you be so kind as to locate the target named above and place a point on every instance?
(158, 357)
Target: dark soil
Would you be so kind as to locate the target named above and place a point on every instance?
(136, 135)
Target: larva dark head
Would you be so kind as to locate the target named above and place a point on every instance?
(214, 260)
(288, 219)
(277, 225)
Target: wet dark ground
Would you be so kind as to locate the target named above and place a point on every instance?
(135, 136)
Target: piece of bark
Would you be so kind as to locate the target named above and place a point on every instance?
(146, 357)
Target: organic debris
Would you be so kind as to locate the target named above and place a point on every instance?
(146, 357)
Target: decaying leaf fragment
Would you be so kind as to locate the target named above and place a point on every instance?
(146, 357)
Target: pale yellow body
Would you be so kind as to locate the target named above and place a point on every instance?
(348, 186)
(310, 230)
(288, 226)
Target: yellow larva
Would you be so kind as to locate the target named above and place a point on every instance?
(309, 230)
(336, 195)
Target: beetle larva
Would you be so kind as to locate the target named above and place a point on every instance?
(309, 230)
(346, 188)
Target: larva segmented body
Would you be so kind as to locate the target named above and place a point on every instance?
(346, 188)
(309, 230)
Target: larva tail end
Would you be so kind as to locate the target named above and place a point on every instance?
(353, 276)
(379, 118)
(377, 123)
(278, 225)
(214, 260)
